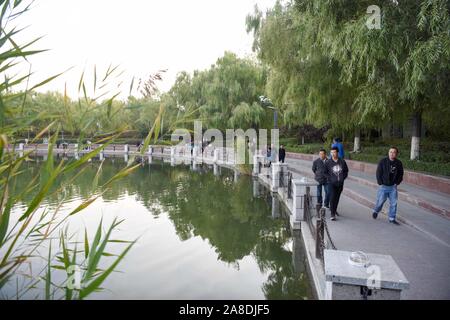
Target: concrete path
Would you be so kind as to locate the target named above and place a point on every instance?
(420, 245)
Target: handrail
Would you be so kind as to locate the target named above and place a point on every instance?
(318, 226)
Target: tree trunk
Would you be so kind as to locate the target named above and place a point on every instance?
(416, 129)
(357, 144)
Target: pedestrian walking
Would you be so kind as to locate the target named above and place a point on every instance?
(389, 176)
(269, 156)
(281, 154)
(273, 154)
(319, 169)
(338, 143)
(336, 172)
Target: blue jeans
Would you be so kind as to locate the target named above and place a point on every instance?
(385, 192)
(327, 194)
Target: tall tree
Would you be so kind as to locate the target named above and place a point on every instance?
(403, 67)
(328, 66)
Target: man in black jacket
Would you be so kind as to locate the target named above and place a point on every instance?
(281, 154)
(336, 171)
(389, 176)
(318, 168)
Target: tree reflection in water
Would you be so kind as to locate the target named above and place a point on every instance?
(236, 216)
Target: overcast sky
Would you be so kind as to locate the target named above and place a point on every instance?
(142, 36)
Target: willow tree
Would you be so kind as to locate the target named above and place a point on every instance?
(325, 59)
(401, 67)
(230, 82)
(224, 95)
(303, 81)
(247, 116)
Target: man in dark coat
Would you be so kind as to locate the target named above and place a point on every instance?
(281, 154)
(336, 172)
(389, 176)
(319, 168)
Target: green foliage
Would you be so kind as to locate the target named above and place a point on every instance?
(328, 69)
(434, 164)
(247, 116)
(32, 227)
(223, 96)
(306, 148)
(230, 88)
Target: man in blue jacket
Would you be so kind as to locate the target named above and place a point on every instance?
(389, 176)
(336, 171)
(337, 143)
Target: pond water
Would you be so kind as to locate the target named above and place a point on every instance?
(204, 233)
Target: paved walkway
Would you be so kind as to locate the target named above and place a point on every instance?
(420, 245)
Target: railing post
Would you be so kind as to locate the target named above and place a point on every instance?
(256, 187)
(275, 207)
(200, 154)
(284, 172)
(194, 152)
(275, 181)
(347, 278)
(216, 156)
(300, 193)
(255, 165)
(320, 243)
(150, 150)
(125, 149)
(216, 169)
(297, 205)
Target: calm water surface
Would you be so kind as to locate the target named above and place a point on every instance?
(204, 233)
